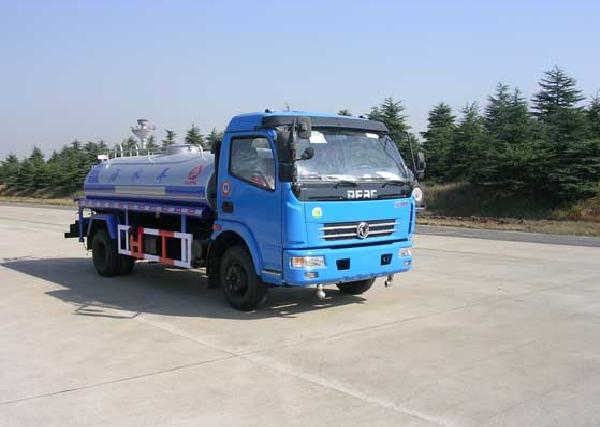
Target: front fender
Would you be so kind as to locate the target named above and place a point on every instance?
(246, 235)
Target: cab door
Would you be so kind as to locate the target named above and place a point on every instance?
(249, 195)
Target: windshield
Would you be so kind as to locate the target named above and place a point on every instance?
(343, 155)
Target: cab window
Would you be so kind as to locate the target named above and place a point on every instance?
(252, 160)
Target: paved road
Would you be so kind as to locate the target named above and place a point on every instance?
(480, 333)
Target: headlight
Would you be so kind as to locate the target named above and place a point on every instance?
(307, 261)
(417, 194)
(404, 252)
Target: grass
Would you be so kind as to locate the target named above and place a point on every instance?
(44, 197)
(462, 205)
(39, 200)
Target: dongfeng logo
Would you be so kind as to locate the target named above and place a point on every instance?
(362, 194)
(362, 230)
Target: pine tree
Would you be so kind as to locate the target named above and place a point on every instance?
(593, 116)
(390, 112)
(344, 112)
(213, 137)
(438, 140)
(513, 141)
(129, 145)
(24, 176)
(469, 154)
(497, 111)
(507, 115)
(568, 154)
(169, 138)
(8, 170)
(151, 144)
(193, 136)
(39, 175)
(557, 92)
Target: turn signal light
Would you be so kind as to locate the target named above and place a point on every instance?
(307, 261)
(404, 252)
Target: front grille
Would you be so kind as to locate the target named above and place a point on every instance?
(348, 230)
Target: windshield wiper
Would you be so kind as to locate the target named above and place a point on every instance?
(395, 182)
(345, 182)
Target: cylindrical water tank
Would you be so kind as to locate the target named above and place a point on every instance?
(181, 177)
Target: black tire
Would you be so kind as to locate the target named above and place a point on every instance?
(242, 287)
(356, 288)
(126, 264)
(104, 254)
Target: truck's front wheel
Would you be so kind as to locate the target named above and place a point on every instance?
(356, 288)
(242, 287)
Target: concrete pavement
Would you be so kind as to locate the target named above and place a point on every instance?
(480, 333)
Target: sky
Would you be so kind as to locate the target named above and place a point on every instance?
(88, 69)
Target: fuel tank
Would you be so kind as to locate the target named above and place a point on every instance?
(181, 175)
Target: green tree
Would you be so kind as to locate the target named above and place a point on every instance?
(344, 112)
(170, 137)
(37, 164)
(513, 144)
(438, 141)
(24, 177)
(194, 136)
(391, 113)
(593, 115)
(468, 157)
(557, 93)
(129, 145)
(151, 145)
(569, 158)
(213, 137)
(8, 170)
(507, 116)
(68, 169)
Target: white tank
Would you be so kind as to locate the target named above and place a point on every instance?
(182, 176)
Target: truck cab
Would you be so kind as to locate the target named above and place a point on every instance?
(310, 199)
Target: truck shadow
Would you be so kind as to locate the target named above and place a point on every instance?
(158, 290)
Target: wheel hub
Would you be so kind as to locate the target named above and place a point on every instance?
(236, 280)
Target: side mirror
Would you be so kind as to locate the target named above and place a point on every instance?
(304, 127)
(420, 162)
(420, 166)
(308, 154)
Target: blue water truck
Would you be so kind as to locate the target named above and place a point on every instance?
(284, 199)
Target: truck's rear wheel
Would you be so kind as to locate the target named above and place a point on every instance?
(126, 264)
(242, 287)
(356, 288)
(104, 254)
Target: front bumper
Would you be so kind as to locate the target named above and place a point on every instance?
(348, 264)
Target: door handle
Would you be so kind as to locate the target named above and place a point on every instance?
(227, 207)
